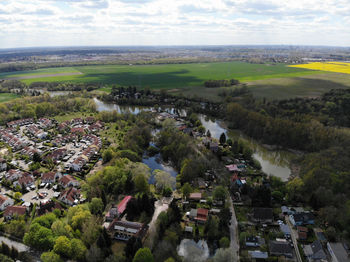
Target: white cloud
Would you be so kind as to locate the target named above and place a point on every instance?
(169, 22)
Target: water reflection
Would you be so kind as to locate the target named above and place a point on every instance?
(274, 162)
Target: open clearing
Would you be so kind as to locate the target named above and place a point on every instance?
(169, 76)
(5, 97)
(43, 76)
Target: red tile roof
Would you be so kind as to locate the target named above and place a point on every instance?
(122, 205)
(14, 210)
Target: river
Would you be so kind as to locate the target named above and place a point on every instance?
(273, 162)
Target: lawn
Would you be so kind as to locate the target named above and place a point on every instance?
(170, 76)
(5, 97)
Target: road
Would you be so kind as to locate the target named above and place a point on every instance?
(160, 206)
(234, 244)
(294, 239)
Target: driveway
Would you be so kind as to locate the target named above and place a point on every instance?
(160, 206)
(28, 196)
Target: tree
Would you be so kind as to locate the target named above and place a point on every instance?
(224, 255)
(220, 193)
(143, 255)
(141, 183)
(208, 133)
(78, 249)
(50, 257)
(186, 190)
(63, 246)
(163, 180)
(107, 155)
(224, 242)
(36, 158)
(222, 138)
(96, 206)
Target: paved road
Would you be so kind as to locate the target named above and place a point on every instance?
(294, 239)
(234, 245)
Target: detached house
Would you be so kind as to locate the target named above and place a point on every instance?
(3, 164)
(13, 174)
(303, 218)
(5, 202)
(70, 196)
(68, 181)
(12, 211)
(200, 215)
(25, 181)
(50, 177)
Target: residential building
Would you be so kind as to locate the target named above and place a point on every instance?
(303, 218)
(70, 196)
(47, 207)
(26, 180)
(281, 248)
(195, 196)
(119, 210)
(12, 211)
(124, 230)
(5, 202)
(3, 164)
(68, 181)
(315, 252)
(50, 177)
(200, 215)
(258, 255)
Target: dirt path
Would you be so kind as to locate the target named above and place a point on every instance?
(43, 75)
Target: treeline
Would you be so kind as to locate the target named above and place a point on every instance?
(306, 136)
(239, 91)
(43, 106)
(220, 83)
(331, 109)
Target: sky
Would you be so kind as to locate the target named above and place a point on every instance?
(32, 23)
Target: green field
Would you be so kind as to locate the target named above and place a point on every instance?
(4, 97)
(171, 76)
(272, 81)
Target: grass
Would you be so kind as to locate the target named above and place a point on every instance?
(70, 116)
(171, 76)
(306, 86)
(5, 97)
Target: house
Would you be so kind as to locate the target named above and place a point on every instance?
(68, 181)
(13, 174)
(45, 123)
(303, 218)
(281, 248)
(286, 210)
(77, 130)
(253, 241)
(262, 215)
(79, 163)
(58, 154)
(3, 164)
(195, 196)
(338, 252)
(124, 230)
(12, 211)
(285, 229)
(77, 121)
(24, 181)
(50, 177)
(5, 202)
(302, 232)
(90, 120)
(258, 255)
(315, 252)
(70, 196)
(200, 215)
(47, 207)
(233, 168)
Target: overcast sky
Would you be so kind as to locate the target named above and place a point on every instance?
(27, 23)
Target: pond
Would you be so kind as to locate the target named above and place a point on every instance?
(273, 162)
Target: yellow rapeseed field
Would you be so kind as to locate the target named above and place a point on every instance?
(338, 67)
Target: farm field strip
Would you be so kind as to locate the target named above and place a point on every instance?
(169, 76)
(338, 67)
